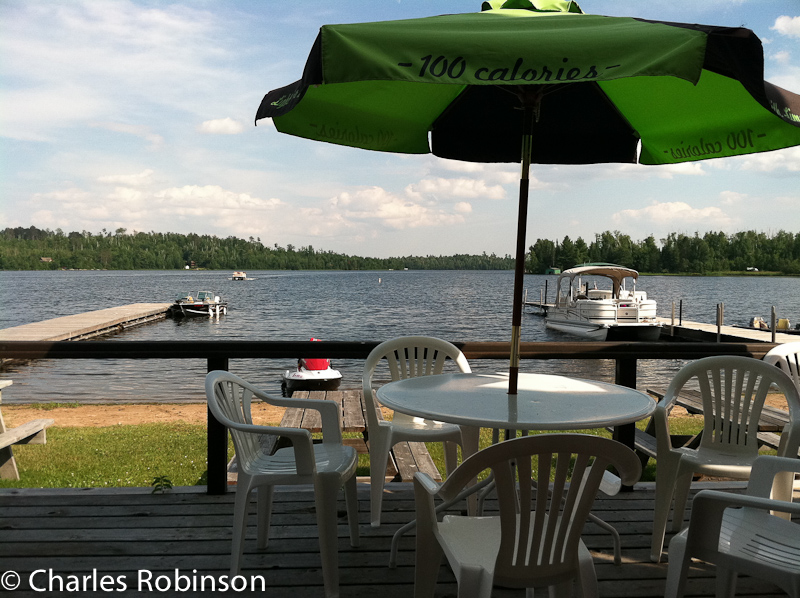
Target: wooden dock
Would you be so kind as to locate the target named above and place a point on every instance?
(699, 331)
(87, 325)
(130, 534)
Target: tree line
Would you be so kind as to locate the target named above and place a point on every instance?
(676, 254)
(36, 249)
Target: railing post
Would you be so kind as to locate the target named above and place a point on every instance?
(773, 323)
(217, 451)
(625, 375)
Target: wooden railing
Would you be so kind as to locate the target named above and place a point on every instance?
(218, 353)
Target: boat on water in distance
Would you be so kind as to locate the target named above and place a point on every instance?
(204, 303)
(239, 275)
(600, 302)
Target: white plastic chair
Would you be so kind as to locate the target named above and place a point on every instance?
(328, 466)
(786, 357)
(733, 389)
(406, 357)
(739, 534)
(536, 539)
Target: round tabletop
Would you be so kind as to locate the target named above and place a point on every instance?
(544, 401)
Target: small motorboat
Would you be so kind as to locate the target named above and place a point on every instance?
(239, 276)
(311, 374)
(204, 303)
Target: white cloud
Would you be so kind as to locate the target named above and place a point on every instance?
(456, 188)
(69, 196)
(142, 131)
(503, 174)
(221, 126)
(117, 57)
(134, 180)
(732, 198)
(390, 210)
(31, 113)
(665, 171)
(674, 214)
(782, 57)
(210, 199)
(787, 26)
(783, 160)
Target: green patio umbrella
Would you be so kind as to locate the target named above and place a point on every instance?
(538, 82)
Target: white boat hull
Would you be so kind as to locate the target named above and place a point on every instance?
(607, 332)
(595, 332)
(303, 379)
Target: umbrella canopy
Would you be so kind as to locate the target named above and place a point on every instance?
(538, 82)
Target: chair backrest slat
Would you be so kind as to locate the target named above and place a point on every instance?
(409, 357)
(733, 391)
(541, 528)
(787, 358)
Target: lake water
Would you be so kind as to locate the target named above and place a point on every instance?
(341, 306)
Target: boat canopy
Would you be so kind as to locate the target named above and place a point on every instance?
(616, 273)
(608, 270)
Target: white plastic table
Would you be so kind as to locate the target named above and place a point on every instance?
(543, 402)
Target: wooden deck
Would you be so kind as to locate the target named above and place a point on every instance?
(129, 533)
(87, 325)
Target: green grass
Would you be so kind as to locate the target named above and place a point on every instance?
(135, 455)
(113, 456)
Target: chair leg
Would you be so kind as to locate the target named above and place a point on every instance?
(474, 582)
(240, 508)
(561, 590)
(379, 446)
(428, 559)
(351, 498)
(678, 567)
(683, 483)
(587, 576)
(726, 582)
(264, 517)
(450, 456)
(326, 489)
(665, 479)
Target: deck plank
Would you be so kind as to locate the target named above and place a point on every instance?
(86, 324)
(120, 532)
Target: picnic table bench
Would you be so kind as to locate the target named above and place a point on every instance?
(405, 458)
(32, 432)
(770, 423)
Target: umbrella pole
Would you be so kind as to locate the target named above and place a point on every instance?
(529, 111)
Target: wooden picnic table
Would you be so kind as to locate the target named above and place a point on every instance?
(32, 432)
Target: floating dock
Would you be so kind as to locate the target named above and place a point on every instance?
(87, 325)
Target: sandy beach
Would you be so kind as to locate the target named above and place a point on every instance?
(113, 415)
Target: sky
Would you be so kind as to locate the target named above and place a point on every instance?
(138, 115)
